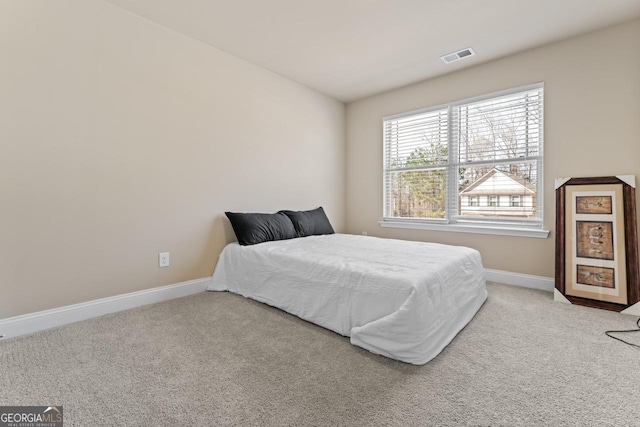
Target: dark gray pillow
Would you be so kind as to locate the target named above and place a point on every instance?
(310, 223)
(253, 228)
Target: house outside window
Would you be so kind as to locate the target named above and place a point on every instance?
(512, 191)
(439, 163)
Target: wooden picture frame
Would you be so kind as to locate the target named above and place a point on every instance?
(597, 242)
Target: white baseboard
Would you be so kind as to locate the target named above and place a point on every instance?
(33, 322)
(541, 283)
(524, 280)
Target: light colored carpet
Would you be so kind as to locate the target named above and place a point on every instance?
(220, 359)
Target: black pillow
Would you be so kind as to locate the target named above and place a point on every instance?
(310, 223)
(253, 228)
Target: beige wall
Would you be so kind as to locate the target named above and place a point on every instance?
(120, 139)
(592, 128)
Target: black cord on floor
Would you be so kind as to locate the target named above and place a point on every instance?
(608, 333)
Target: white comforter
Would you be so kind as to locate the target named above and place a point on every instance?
(401, 299)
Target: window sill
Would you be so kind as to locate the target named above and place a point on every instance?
(477, 229)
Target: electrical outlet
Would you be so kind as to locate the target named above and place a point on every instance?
(163, 259)
(364, 233)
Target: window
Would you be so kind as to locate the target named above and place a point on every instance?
(440, 162)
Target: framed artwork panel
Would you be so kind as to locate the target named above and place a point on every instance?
(596, 242)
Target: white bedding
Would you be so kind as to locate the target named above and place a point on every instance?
(401, 299)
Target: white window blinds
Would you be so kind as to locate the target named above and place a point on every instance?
(467, 161)
(416, 158)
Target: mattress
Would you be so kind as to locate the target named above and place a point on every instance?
(400, 299)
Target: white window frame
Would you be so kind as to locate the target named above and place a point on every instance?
(453, 222)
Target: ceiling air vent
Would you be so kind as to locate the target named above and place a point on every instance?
(456, 56)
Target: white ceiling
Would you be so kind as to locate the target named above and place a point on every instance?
(350, 49)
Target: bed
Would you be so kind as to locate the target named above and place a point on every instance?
(401, 299)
